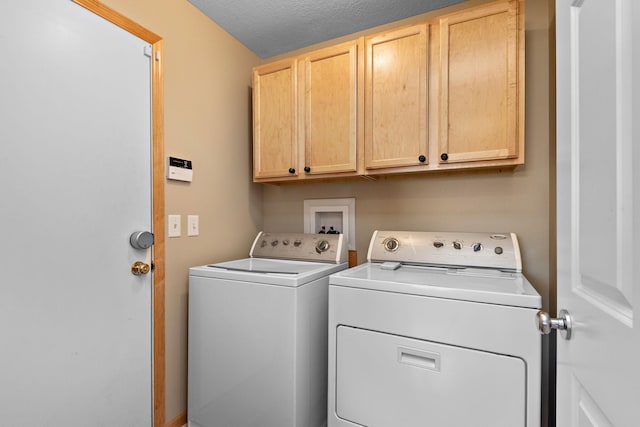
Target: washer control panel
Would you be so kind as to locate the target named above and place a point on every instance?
(300, 246)
(482, 250)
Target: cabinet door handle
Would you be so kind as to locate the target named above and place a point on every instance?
(307, 169)
(444, 156)
(422, 158)
(292, 170)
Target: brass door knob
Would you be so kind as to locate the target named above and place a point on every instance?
(139, 268)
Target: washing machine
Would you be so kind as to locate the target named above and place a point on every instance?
(258, 333)
(436, 329)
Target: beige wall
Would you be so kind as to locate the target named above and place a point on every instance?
(207, 119)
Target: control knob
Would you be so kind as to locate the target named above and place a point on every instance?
(457, 245)
(477, 247)
(438, 244)
(391, 244)
(322, 246)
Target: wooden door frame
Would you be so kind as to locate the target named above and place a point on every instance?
(157, 194)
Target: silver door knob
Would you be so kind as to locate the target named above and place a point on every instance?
(546, 323)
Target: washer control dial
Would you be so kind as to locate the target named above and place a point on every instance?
(391, 244)
(477, 247)
(438, 244)
(457, 245)
(322, 246)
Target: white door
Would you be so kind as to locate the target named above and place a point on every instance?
(598, 172)
(75, 324)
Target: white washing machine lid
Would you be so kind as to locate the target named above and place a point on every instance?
(279, 272)
(467, 284)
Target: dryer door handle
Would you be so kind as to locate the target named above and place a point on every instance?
(419, 358)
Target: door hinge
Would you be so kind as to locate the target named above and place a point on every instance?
(157, 56)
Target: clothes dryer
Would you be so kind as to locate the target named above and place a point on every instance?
(258, 334)
(436, 329)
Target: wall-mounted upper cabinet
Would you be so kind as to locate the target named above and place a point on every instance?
(275, 120)
(482, 85)
(330, 106)
(307, 115)
(443, 94)
(396, 108)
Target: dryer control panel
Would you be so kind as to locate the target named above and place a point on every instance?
(300, 246)
(447, 249)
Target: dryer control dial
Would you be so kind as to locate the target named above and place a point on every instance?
(391, 244)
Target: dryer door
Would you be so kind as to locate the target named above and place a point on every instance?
(385, 380)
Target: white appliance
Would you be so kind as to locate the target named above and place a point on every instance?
(437, 329)
(258, 334)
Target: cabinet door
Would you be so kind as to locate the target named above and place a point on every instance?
(331, 94)
(396, 131)
(481, 110)
(275, 137)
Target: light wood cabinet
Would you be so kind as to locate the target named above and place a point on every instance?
(307, 115)
(275, 120)
(444, 94)
(329, 102)
(482, 85)
(396, 98)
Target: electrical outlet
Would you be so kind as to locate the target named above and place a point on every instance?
(193, 225)
(174, 226)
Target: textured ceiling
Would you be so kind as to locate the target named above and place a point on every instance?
(270, 27)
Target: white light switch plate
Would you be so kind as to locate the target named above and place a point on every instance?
(193, 225)
(174, 226)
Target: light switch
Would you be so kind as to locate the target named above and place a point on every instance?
(174, 226)
(193, 225)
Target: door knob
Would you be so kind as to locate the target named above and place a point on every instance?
(139, 268)
(546, 323)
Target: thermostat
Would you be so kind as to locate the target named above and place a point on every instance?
(179, 169)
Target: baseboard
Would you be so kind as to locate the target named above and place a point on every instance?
(179, 421)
